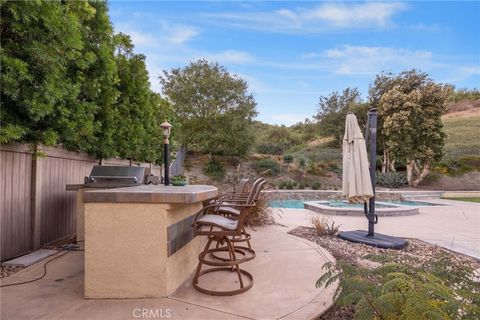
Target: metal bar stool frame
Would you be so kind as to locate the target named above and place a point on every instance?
(246, 251)
(221, 229)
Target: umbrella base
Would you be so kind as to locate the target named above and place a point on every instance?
(377, 240)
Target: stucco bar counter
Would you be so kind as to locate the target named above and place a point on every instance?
(138, 240)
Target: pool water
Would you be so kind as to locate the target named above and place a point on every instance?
(298, 204)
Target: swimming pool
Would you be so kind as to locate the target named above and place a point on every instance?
(298, 204)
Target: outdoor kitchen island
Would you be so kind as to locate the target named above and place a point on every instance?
(138, 240)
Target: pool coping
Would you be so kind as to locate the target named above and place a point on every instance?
(400, 210)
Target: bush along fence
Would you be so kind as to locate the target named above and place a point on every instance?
(35, 207)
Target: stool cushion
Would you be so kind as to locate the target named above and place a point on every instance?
(218, 221)
(229, 210)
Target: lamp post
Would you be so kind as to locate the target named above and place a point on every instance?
(166, 127)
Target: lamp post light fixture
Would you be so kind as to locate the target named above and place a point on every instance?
(166, 127)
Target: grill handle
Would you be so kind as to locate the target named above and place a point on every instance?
(94, 178)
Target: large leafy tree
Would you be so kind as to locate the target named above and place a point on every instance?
(333, 109)
(411, 108)
(213, 108)
(68, 80)
(139, 110)
(37, 49)
(99, 79)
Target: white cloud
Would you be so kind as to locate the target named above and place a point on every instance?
(142, 39)
(232, 56)
(355, 15)
(324, 18)
(471, 70)
(182, 34)
(357, 60)
(166, 34)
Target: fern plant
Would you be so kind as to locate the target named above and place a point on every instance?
(393, 291)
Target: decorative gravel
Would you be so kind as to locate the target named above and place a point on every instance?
(415, 253)
(8, 270)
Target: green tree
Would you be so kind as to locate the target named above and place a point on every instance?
(37, 50)
(213, 108)
(333, 109)
(411, 110)
(99, 80)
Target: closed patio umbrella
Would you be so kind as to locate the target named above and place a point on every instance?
(356, 183)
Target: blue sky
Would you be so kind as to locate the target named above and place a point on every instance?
(290, 53)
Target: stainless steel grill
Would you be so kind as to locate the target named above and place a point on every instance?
(115, 176)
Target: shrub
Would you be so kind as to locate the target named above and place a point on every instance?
(302, 185)
(261, 214)
(472, 162)
(234, 161)
(392, 179)
(288, 158)
(323, 226)
(214, 169)
(316, 185)
(270, 148)
(267, 166)
(458, 167)
(287, 184)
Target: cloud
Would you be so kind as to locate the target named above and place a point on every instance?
(182, 34)
(355, 15)
(327, 17)
(232, 56)
(366, 60)
(142, 39)
(166, 33)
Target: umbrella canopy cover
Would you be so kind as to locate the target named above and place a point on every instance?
(356, 183)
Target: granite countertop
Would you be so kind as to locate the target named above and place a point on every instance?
(151, 194)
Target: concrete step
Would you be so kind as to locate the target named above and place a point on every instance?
(31, 258)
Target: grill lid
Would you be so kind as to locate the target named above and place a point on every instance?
(115, 176)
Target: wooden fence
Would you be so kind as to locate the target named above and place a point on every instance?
(35, 208)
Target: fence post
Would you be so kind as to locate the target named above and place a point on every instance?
(36, 205)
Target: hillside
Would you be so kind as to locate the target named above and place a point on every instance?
(322, 159)
(462, 128)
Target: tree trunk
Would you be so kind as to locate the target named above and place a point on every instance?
(410, 164)
(422, 175)
(384, 162)
(387, 164)
(392, 166)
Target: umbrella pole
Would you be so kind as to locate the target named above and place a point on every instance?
(372, 126)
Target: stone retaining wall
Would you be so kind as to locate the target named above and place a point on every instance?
(382, 195)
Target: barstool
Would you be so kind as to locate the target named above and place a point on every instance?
(230, 209)
(219, 229)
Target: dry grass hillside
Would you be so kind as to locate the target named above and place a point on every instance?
(462, 125)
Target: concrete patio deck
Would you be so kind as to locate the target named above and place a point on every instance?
(455, 225)
(285, 271)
